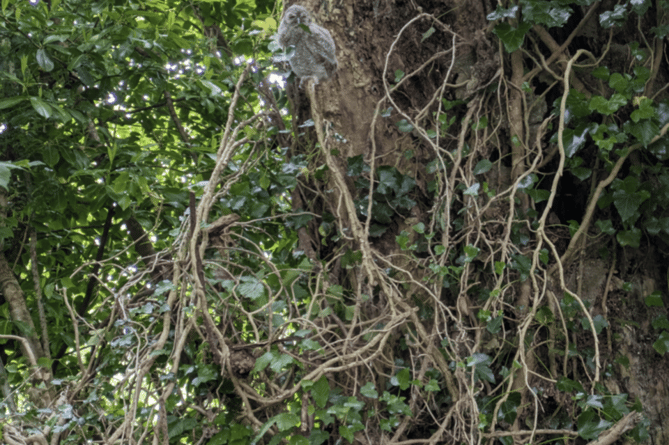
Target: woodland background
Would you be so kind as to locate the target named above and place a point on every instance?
(460, 238)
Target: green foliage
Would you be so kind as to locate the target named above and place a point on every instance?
(112, 117)
(391, 196)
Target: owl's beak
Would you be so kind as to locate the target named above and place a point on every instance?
(299, 21)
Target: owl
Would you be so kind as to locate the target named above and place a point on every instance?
(314, 50)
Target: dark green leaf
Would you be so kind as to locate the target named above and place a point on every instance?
(356, 166)
(44, 61)
(568, 385)
(661, 345)
(607, 107)
(482, 166)
(508, 410)
(318, 437)
(285, 421)
(616, 17)
(544, 12)
(401, 379)
(404, 126)
(511, 37)
(369, 390)
(630, 237)
(645, 110)
(654, 299)
(606, 226)
(599, 322)
(661, 322)
(320, 391)
(495, 325)
(521, 264)
(280, 362)
(544, 316)
(5, 175)
(601, 72)
(619, 83)
(590, 425)
(181, 426)
(42, 108)
(640, 6)
(501, 13)
(11, 101)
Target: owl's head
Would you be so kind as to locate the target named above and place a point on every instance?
(297, 15)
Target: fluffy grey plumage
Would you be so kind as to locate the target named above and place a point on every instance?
(314, 53)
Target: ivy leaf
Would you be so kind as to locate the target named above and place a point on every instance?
(599, 322)
(661, 345)
(480, 362)
(404, 126)
(546, 13)
(661, 322)
(473, 190)
(501, 13)
(619, 82)
(251, 288)
(181, 426)
(318, 437)
(280, 362)
(574, 139)
(285, 421)
(607, 107)
(645, 110)
(482, 166)
(601, 72)
(654, 299)
(590, 426)
(522, 264)
(356, 166)
(615, 405)
(660, 31)
(320, 391)
(527, 182)
(401, 379)
(606, 226)
(508, 410)
(617, 17)
(387, 180)
(369, 390)
(627, 198)
(471, 252)
(495, 325)
(510, 36)
(568, 385)
(593, 401)
(630, 237)
(263, 361)
(640, 6)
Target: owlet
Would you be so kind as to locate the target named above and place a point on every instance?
(314, 54)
